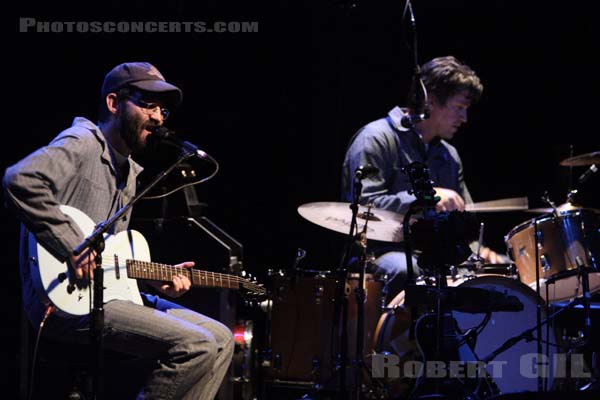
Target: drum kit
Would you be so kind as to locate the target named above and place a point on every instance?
(497, 317)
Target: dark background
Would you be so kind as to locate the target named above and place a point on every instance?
(276, 108)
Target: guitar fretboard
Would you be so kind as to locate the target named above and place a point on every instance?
(164, 272)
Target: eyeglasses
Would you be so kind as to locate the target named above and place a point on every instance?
(149, 107)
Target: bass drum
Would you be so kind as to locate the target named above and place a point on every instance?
(511, 370)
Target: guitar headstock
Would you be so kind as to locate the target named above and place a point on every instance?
(251, 290)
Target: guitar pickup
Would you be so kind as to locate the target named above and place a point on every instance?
(117, 269)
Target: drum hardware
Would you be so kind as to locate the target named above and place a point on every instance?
(481, 332)
(443, 241)
(528, 336)
(244, 360)
(564, 241)
(538, 260)
(463, 299)
(356, 242)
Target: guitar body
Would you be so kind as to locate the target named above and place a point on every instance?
(72, 300)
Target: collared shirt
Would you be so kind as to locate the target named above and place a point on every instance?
(388, 146)
(75, 169)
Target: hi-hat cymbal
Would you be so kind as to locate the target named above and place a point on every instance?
(582, 160)
(382, 225)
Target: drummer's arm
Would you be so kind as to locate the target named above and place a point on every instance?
(489, 256)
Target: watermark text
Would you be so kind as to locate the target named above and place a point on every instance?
(32, 25)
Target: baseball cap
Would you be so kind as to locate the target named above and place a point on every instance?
(143, 76)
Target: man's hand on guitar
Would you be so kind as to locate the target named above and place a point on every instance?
(84, 264)
(179, 285)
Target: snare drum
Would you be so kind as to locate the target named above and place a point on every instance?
(303, 330)
(563, 241)
(393, 331)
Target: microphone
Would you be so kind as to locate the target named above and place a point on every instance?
(161, 134)
(417, 102)
(408, 121)
(365, 171)
(589, 172)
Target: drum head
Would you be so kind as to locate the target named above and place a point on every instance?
(514, 369)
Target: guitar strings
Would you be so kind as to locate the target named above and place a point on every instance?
(222, 277)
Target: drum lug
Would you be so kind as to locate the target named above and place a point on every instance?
(316, 365)
(540, 239)
(319, 291)
(453, 272)
(265, 358)
(545, 263)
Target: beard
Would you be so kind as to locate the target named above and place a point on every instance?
(131, 127)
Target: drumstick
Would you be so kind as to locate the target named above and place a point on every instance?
(480, 241)
(511, 204)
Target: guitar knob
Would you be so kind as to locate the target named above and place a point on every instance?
(62, 276)
(70, 288)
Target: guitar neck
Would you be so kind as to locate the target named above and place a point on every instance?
(164, 272)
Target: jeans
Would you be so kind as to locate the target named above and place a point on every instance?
(393, 264)
(190, 352)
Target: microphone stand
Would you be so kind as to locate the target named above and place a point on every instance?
(360, 307)
(538, 309)
(418, 110)
(95, 241)
(341, 309)
(527, 334)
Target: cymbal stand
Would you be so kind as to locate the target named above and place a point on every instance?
(536, 238)
(341, 306)
(358, 363)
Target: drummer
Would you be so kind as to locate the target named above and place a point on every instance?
(388, 146)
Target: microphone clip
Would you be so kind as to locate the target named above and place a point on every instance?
(365, 171)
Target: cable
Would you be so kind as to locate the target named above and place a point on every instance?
(478, 329)
(49, 310)
(422, 371)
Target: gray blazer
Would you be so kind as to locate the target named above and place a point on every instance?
(75, 169)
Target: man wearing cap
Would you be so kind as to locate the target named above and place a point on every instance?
(89, 167)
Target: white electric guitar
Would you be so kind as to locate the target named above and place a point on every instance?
(126, 257)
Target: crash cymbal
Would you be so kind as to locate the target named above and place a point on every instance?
(566, 207)
(383, 225)
(542, 210)
(582, 160)
(512, 204)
